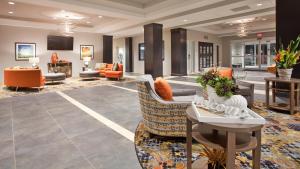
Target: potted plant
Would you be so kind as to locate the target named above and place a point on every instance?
(218, 88)
(287, 58)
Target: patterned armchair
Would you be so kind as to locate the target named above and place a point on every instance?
(164, 118)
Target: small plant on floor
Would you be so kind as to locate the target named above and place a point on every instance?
(216, 158)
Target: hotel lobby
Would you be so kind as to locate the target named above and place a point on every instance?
(149, 84)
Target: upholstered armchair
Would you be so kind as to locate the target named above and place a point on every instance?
(164, 118)
(247, 90)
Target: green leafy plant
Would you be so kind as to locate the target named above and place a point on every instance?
(287, 58)
(222, 85)
(208, 78)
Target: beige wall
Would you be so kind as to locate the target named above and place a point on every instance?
(138, 66)
(191, 36)
(10, 35)
(198, 36)
(226, 43)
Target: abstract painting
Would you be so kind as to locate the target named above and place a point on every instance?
(86, 51)
(24, 51)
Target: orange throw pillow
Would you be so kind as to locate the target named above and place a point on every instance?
(163, 89)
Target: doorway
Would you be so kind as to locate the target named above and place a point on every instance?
(206, 55)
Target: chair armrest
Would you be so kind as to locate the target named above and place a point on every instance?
(246, 84)
(184, 92)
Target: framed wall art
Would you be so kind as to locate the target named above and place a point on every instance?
(24, 51)
(86, 51)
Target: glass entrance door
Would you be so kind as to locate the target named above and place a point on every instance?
(257, 55)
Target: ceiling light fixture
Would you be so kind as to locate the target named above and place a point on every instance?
(264, 19)
(11, 3)
(185, 20)
(88, 22)
(10, 12)
(259, 4)
(100, 16)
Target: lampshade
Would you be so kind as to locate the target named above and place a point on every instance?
(86, 59)
(34, 60)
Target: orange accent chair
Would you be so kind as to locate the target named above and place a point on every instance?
(225, 72)
(108, 68)
(115, 74)
(26, 78)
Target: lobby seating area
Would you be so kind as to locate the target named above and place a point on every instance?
(149, 84)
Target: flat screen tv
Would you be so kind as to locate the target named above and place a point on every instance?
(59, 42)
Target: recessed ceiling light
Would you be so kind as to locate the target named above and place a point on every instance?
(185, 20)
(100, 16)
(88, 22)
(264, 19)
(10, 12)
(259, 4)
(11, 3)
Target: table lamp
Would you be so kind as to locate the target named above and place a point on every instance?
(34, 61)
(86, 61)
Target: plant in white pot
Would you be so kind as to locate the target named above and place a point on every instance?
(287, 58)
(218, 88)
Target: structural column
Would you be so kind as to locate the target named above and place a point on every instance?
(287, 25)
(153, 49)
(179, 52)
(128, 54)
(107, 49)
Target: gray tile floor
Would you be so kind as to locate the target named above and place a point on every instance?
(46, 131)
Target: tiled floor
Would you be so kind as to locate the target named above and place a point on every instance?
(47, 131)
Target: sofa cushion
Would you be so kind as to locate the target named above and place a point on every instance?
(102, 66)
(113, 72)
(163, 89)
(115, 67)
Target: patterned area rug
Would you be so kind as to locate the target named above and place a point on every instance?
(68, 84)
(280, 145)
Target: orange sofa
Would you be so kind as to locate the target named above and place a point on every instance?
(107, 68)
(115, 74)
(26, 78)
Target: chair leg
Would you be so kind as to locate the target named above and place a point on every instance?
(17, 88)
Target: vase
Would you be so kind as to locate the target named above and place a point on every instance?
(285, 73)
(213, 97)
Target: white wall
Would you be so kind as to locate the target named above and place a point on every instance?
(10, 35)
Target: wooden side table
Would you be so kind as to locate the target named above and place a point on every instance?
(224, 137)
(294, 94)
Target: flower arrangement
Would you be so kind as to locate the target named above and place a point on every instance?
(287, 58)
(222, 85)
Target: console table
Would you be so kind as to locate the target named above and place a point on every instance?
(230, 138)
(294, 94)
(61, 67)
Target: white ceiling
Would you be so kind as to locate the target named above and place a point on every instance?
(127, 17)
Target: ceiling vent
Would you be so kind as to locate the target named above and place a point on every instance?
(242, 8)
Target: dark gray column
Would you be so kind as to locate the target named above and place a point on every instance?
(179, 52)
(287, 25)
(128, 54)
(153, 49)
(107, 49)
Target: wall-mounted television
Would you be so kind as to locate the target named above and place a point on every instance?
(59, 42)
